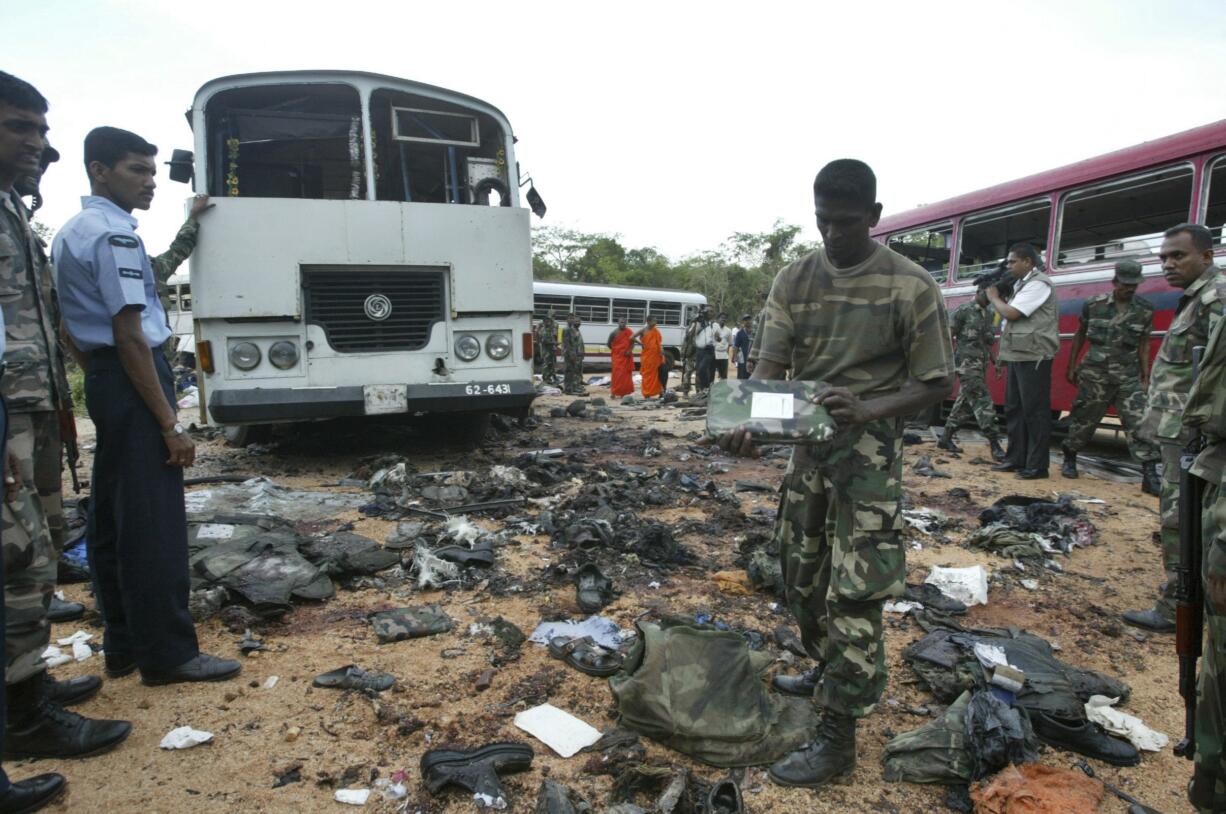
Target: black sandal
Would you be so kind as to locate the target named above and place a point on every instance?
(585, 655)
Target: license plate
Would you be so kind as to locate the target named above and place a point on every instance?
(488, 389)
(382, 399)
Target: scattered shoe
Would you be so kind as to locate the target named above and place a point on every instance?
(930, 597)
(351, 677)
(725, 798)
(118, 666)
(1030, 474)
(1150, 620)
(32, 794)
(585, 655)
(54, 732)
(555, 798)
(1084, 738)
(201, 668)
(62, 611)
(830, 757)
(475, 770)
(481, 554)
(71, 691)
(802, 685)
(593, 589)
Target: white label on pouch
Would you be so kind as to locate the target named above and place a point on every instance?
(771, 405)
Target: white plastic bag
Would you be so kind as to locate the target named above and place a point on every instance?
(967, 585)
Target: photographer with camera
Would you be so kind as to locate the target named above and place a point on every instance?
(1029, 340)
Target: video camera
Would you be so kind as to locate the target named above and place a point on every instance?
(999, 277)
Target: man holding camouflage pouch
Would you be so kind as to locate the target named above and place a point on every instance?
(870, 326)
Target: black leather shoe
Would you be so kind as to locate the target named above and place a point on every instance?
(1031, 474)
(725, 798)
(1084, 738)
(31, 794)
(54, 732)
(202, 668)
(830, 757)
(1150, 620)
(802, 685)
(72, 691)
(62, 611)
(119, 666)
(998, 452)
(1007, 466)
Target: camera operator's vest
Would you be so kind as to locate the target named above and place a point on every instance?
(1036, 337)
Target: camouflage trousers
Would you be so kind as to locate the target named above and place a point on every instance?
(973, 402)
(687, 373)
(1096, 391)
(1168, 533)
(1208, 790)
(572, 379)
(32, 526)
(549, 364)
(841, 551)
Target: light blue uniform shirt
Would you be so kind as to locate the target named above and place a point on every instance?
(101, 268)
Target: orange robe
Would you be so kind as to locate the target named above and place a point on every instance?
(650, 361)
(623, 363)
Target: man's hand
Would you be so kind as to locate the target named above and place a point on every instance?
(1071, 374)
(200, 205)
(739, 443)
(844, 406)
(750, 365)
(12, 477)
(1145, 382)
(993, 294)
(182, 449)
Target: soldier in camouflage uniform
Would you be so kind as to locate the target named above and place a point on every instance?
(971, 328)
(1206, 411)
(871, 327)
(181, 248)
(1115, 371)
(689, 356)
(547, 337)
(572, 356)
(35, 387)
(1187, 263)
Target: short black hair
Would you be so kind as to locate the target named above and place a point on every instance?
(110, 144)
(21, 94)
(1027, 251)
(847, 179)
(1202, 238)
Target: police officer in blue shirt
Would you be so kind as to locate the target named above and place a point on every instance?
(138, 541)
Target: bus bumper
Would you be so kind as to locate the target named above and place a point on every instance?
(272, 405)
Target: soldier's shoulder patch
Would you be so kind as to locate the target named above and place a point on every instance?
(132, 274)
(123, 241)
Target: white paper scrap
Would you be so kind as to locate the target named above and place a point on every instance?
(185, 738)
(214, 531)
(902, 607)
(79, 636)
(353, 797)
(771, 405)
(967, 585)
(1101, 711)
(55, 657)
(81, 651)
(557, 729)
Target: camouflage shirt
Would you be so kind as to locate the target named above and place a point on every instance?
(1199, 309)
(972, 330)
(868, 328)
(181, 248)
(1206, 407)
(34, 380)
(572, 343)
(547, 333)
(1115, 332)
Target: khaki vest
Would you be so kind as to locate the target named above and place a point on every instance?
(1036, 337)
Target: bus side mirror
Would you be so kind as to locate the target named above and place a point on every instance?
(535, 203)
(180, 164)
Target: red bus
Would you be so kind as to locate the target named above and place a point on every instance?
(1083, 218)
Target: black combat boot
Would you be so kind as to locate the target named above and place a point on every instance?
(802, 685)
(998, 452)
(38, 728)
(831, 756)
(1151, 484)
(947, 440)
(1069, 469)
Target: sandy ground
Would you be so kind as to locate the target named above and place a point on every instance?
(345, 739)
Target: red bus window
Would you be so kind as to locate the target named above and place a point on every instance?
(1123, 218)
(1215, 212)
(929, 247)
(986, 237)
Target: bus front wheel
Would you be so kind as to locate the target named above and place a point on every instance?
(240, 435)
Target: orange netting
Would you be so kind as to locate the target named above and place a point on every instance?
(1036, 789)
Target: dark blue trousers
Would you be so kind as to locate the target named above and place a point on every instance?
(4, 434)
(138, 524)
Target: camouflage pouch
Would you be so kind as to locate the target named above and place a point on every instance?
(775, 412)
(410, 623)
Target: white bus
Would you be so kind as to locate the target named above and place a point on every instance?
(179, 312)
(367, 253)
(601, 306)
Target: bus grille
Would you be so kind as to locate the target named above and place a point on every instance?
(335, 298)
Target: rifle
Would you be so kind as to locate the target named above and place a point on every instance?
(1189, 593)
(68, 437)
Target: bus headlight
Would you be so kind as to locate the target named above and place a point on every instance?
(244, 355)
(498, 346)
(283, 354)
(467, 347)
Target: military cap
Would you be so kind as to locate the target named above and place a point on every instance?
(1128, 272)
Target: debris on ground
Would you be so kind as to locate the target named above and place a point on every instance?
(1033, 788)
(966, 585)
(184, 737)
(559, 730)
(1101, 710)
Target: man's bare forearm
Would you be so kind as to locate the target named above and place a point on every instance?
(910, 398)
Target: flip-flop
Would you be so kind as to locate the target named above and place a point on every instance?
(585, 655)
(593, 589)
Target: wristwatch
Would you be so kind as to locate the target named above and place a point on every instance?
(177, 429)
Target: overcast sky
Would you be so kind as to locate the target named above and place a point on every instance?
(672, 124)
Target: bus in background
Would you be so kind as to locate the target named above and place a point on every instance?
(179, 312)
(601, 306)
(1083, 218)
(367, 254)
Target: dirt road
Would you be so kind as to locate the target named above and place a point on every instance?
(328, 740)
